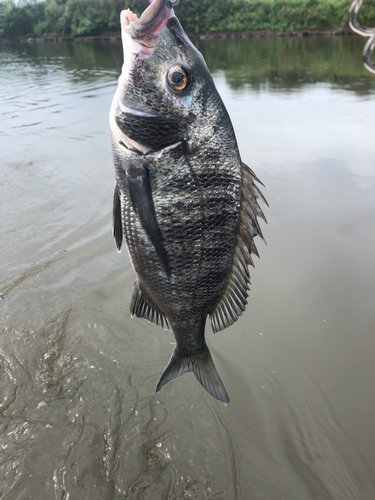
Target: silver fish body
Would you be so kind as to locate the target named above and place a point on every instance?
(185, 203)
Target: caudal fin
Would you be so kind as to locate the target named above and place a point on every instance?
(201, 365)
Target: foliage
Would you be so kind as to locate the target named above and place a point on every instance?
(366, 14)
(16, 19)
(91, 17)
(202, 15)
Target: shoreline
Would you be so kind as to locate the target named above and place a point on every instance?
(210, 35)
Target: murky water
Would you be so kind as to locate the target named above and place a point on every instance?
(79, 417)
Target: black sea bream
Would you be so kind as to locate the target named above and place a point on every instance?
(185, 203)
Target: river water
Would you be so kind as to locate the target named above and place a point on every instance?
(79, 417)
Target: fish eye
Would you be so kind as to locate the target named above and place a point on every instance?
(177, 77)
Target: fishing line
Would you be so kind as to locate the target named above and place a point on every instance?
(173, 2)
(360, 30)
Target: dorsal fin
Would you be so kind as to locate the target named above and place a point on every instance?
(234, 300)
(141, 308)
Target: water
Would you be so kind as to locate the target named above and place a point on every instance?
(79, 417)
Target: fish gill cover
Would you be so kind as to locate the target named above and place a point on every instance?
(184, 201)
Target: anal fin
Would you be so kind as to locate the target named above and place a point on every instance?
(141, 308)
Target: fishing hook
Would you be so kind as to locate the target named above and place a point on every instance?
(360, 30)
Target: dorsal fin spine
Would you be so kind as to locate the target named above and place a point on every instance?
(255, 210)
(246, 239)
(260, 194)
(245, 254)
(252, 227)
(250, 175)
(254, 249)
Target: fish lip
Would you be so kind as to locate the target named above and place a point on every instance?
(147, 28)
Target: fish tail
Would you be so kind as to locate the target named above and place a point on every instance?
(201, 365)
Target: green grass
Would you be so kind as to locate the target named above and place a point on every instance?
(91, 17)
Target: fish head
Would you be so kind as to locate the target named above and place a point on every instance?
(166, 94)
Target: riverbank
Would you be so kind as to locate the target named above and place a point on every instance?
(209, 35)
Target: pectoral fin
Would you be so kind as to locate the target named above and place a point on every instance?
(117, 222)
(143, 204)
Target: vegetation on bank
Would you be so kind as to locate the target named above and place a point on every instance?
(92, 17)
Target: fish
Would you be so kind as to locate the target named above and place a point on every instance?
(184, 202)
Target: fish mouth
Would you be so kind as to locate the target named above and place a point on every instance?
(139, 36)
